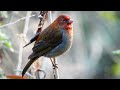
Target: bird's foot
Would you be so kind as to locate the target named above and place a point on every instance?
(55, 66)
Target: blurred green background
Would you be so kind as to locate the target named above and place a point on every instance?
(94, 54)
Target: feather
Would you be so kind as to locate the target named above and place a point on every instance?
(28, 65)
(33, 39)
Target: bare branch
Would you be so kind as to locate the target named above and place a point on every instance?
(42, 17)
(37, 72)
(55, 69)
(11, 23)
(54, 62)
(21, 43)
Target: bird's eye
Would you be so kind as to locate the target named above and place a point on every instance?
(64, 20)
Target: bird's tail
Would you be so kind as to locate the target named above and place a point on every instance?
(28, 65)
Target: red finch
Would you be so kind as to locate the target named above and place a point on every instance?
(53, 41)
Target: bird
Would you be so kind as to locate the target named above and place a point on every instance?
(53, 41)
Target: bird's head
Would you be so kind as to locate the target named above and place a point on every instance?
(63, 22)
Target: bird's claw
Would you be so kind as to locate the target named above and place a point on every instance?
(55, 66)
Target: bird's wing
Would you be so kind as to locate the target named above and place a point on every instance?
(46, 44)
(38, 50)
(33, 39)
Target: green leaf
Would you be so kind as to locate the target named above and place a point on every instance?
(109, 15)
(8, 44)
(2, 36)
(117, 52)
(116, 69)
(2, 74)
(4, 40)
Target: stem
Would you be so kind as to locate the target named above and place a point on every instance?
(55, 68)
(37, 72)
(21, 42)
(11, 23)
(50, 17)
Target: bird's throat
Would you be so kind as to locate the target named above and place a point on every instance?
(69, 29)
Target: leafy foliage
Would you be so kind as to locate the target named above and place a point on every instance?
(5, 42)
(2, 75)
(110, 16)
(117, 52)
(116, 69)
(96, 48)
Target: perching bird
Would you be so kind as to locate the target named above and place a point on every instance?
(53, 41)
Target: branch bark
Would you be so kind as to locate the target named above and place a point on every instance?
(36, 67)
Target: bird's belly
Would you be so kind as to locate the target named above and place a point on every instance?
(61, 48)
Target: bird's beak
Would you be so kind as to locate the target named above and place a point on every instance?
(70, 21)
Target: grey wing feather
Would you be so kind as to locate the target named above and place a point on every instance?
(33, 39)
(42, 48)
(28, 65)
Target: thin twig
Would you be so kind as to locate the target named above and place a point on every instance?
(50, 17)
(11, 23)
(21, 43)
(8, 57)
(42, 18)
(54, 62)
(38, 72)
(55, 69)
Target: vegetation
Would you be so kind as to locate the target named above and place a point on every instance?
(95, 52)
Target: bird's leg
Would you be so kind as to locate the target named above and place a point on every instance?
(55, 68)
(54, 63)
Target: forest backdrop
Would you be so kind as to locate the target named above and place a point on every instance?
(94, 54)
